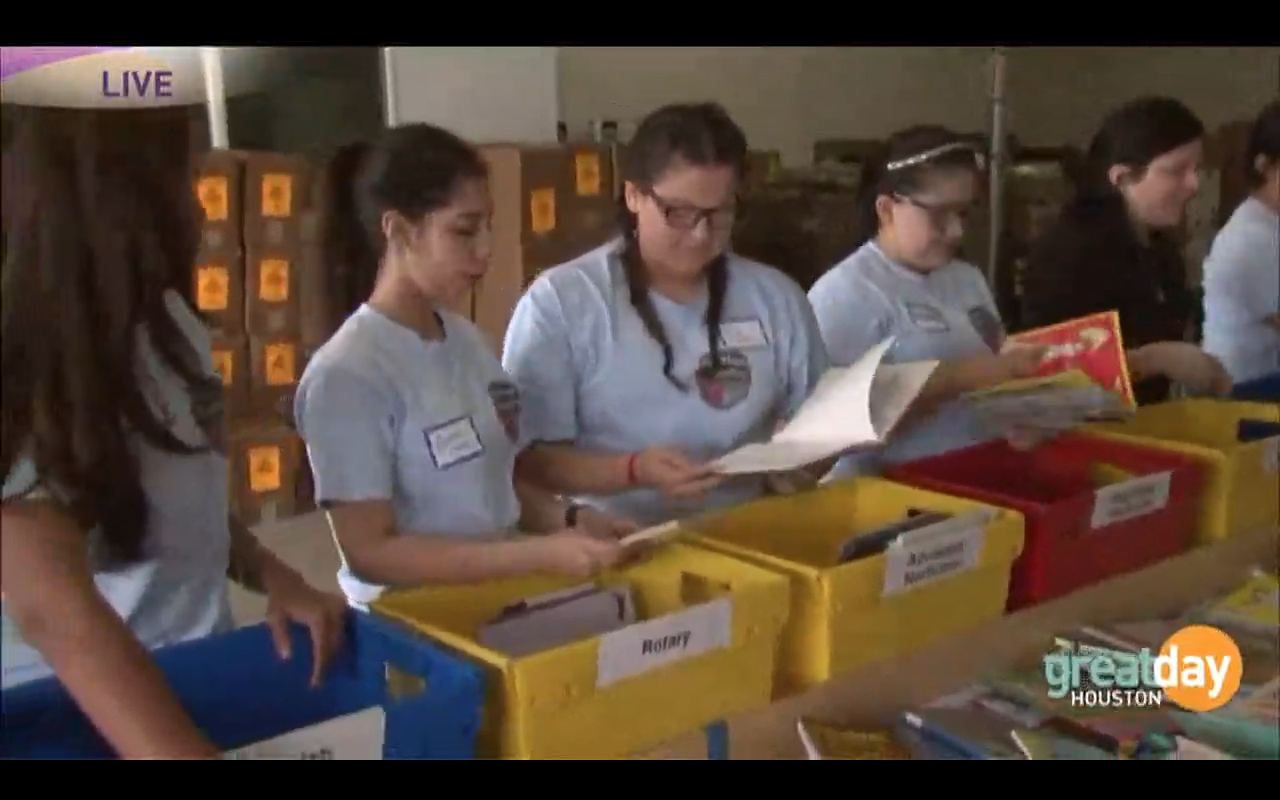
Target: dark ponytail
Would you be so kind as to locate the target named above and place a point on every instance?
(350, 259)
(904, 164)
(698, 134)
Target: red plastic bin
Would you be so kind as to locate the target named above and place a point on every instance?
(1077, 534)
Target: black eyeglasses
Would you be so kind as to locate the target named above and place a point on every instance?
(685, 217)
(940, 215)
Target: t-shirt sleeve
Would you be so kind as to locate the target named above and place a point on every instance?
(851, 317)
(23, 482)
(348, 425)
(537, 354)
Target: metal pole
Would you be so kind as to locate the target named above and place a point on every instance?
(215, 90)
(390, 108)
(999, 159)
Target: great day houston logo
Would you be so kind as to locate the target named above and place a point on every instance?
(101, 77)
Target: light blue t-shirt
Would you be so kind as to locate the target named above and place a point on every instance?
(943, 315)
(1241, 289)
(431, 426)
(592, 375)
(179, 592)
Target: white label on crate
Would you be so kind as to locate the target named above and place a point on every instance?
(355, 737)
(1271, 454)
(638, 648)
(1131, 499)
(934, 552)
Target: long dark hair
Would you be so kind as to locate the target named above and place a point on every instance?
(1133, 135)
(412, 170)
(697, 134)
(904, 164)
(1264, 141)
(101, 222)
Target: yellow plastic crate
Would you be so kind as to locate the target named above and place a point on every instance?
(1242, 490)
(551, 704)
(846, 615)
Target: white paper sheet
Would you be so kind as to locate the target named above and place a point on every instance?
(850, 407)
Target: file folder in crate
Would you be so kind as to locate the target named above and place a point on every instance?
(616, 695)
(1239, 446)
(930, 583)
(252, 705)
(1094, 508)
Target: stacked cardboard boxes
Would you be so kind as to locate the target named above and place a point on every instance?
(550, 204)
(802, 223)
(249, 279)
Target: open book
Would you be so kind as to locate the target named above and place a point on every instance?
(851, 407)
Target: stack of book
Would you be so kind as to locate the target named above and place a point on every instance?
(1051, 710)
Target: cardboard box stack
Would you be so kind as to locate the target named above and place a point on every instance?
(802, 223)
(1038, 182)
(550, 204)
(255, 264)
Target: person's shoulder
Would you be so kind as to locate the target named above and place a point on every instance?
(575, 282)
(966, 273)
(768, 278)
(854, 273)
(352, 355)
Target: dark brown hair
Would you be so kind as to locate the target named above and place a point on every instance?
(697, 134)
(413, 170)
(1134, 134)
(914, 154)
(1264, 140)
(101, 222)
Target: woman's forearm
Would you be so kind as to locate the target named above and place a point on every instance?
(252, 565)
(565, 469)
(413, 560)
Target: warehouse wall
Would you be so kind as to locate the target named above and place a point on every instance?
(787, 97)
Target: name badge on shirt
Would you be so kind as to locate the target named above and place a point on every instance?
(927, 318)
(451, 443)
(747, 334)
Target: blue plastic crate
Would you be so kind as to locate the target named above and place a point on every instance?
(1259, 390)
(238, 692)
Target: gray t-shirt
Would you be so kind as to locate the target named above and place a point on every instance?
(591, 374)
(943, 315)
(431, 426)
(180, 591)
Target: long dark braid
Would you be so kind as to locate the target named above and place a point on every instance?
(698, 134)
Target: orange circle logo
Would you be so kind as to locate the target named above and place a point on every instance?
(1199, 668)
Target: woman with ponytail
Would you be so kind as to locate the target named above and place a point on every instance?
(904, 281)
(1114, 246)
(412, 428)
(657, 353)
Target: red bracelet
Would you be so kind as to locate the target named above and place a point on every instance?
(632, 479)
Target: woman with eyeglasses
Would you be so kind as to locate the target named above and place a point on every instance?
(906, 282)
(642, 361)
(1115, 246)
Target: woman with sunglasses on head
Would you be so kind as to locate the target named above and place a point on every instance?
(413, 429)
(644, 360)
(1114, 247)
(906, 282)
(1242, 272)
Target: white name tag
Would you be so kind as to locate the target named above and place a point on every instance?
(454, 442)
(935, 552)
(1131, 499)
(743, 334)
(638, 648)
(355, 737)
(927, 318)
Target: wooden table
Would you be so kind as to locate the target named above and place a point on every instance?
(872, 697)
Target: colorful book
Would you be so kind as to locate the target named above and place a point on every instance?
(1252, 606)
(973, 732)
(826, 742)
